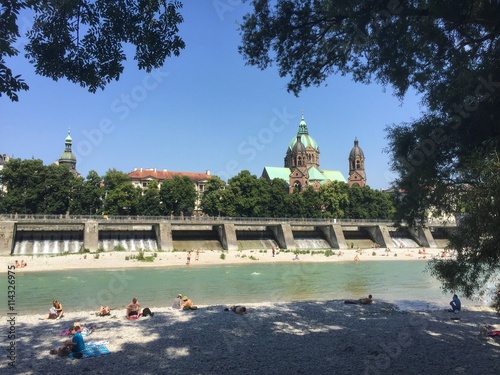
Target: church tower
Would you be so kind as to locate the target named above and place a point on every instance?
(67, 157)
(357, 174)
(302, 154)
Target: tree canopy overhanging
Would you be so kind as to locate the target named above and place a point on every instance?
(448, 52)
(83, 40)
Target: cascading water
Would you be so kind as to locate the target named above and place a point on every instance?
(131, 240)
(45, 243)
(316, 243)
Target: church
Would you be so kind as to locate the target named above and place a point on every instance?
(302, 170)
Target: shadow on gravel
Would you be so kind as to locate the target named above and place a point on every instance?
(327, 337)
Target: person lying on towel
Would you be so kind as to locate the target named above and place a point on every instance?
(362, 301)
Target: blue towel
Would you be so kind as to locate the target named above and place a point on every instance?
(91, 351)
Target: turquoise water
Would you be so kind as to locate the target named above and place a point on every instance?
(405, 283)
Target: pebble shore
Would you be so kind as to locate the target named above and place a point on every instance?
(327, 337)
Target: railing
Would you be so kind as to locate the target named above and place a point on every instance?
(205, 219)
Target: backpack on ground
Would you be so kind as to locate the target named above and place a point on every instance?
(147, 312)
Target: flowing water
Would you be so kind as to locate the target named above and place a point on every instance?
(405, 283)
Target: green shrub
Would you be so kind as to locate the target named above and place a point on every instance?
(374, 253)
(119, 247)
(100, 250)
(329, 253)
(252, 257)
(96, 256)
(223, 256)
(395, 255)
(140, 255)
(84, 250)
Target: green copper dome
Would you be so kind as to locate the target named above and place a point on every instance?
(305, 138)
(67, 157)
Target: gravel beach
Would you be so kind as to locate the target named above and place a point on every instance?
(327, 337)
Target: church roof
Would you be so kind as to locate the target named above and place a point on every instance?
(144, 174)
(277, 172)
(305, 138)
(356, 151)
(314, 174)
(334, 175)
(67, 157)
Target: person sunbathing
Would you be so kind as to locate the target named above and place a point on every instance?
(133, 308)
(52, 314)
(177, 302)
(362, 301)
(187, 304)
(103, 311)
(59, 309)
(55, 312)
(240, 310)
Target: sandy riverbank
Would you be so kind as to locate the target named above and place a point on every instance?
(118, 259)
(290, 338)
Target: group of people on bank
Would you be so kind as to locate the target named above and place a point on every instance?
(21, 264)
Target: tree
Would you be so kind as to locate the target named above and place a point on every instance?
(334, 197)
(448, 52)
(90, 195)
(33, 188)
(82, 40)
(60, 188)
(212, 202)
(251, 195)
(178, 196)
(120, 197)
(25, 184)
(149, 201)
(278, 198)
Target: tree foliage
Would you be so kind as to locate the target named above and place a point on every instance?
(33, 188)
(178, 196)
(83, 40)
(149, 201)
(89, 196)
(120, 196)
(445, 50)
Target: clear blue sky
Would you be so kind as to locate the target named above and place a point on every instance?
(204, 110)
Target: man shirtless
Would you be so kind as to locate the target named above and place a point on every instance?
(133, 308)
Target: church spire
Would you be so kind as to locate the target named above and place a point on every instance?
(303, 125)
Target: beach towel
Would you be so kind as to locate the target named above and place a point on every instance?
(90, 351)
(494, 333)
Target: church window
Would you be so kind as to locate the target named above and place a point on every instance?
(358, 164)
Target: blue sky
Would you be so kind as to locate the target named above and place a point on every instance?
(204, 110)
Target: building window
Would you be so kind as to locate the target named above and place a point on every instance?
(144, 184)
(201, 187)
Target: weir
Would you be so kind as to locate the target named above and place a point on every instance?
(53, 235)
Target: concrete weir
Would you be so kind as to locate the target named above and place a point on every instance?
(52, 235)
